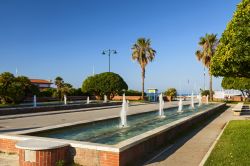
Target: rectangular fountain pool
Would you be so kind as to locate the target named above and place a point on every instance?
(108, 131)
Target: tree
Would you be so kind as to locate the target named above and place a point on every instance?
(172, 92)
(205, 53)
(15, 89)
(238, 83)
(107, 83)
(62, 88)
(143, 54)
(59, 84)
(205, 92)
(66, 89)
(77, 92)
(90, 86)
(6, 80)
(232, 57)
(48, 92)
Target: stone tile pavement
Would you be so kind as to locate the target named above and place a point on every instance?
(190, 150)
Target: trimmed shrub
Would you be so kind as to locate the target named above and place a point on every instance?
(107, 83)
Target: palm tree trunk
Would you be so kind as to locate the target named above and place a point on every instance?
(211, 86)
(143, 78)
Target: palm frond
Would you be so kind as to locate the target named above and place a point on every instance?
(208, 45)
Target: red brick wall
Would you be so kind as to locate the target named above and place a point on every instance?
(8, 145)
(236, 98)
(95, 158)
(45, 157)
(127, 98)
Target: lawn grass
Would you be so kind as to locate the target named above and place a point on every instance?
(233, 147)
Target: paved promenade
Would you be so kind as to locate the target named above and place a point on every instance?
(13, 123)
(190, 150)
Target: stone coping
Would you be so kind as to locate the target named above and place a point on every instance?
(103, 147)
(39, 109)
(147, 135)
(32, 144)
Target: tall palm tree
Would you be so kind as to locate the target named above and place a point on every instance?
(143, 54)
(208, 44)
(59, 84)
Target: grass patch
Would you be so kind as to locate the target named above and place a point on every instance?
(233, 148)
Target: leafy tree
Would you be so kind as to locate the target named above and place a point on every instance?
(143, 53)
(48, 92)
(76, 92)
(15, 92)
(15, 89)
(90, 85)
(232, 57)
(34, 90)
(172, 92)
(238, 83)
(6, 80)
(107, 83)
(205, 53)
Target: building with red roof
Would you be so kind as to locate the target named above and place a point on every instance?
(42, 84)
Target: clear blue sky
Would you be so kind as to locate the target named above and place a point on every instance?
(50, 38)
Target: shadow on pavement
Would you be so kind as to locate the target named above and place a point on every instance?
(163, 155)
(16, 129)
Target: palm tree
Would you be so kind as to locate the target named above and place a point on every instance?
(143, 54)
(208, 45)
(59, 84)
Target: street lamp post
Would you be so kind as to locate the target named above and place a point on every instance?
(204, 79)
(109, 52)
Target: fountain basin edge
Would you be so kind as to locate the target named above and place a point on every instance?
(128, 152)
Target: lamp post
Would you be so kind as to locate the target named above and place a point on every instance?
(109, 52)
(204, 78)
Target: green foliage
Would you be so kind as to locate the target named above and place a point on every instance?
(205, 92)
(233, 147)
(232, 57)
(77, 92)
(208, 45)
(131, 92)
(238, 83)
(90, 85)
(60, 163)
(143, 53)
(15, 89)
(62, 88)
(107, 83)
(171, 92)
(48, 92)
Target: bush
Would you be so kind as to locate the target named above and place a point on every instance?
(77, 92)
(171, 92)
(15, 89)
(107, 83)
(48, 92)
(205, 92)
(131, 92)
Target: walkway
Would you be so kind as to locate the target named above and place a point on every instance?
(8, 159)
(189, 151)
